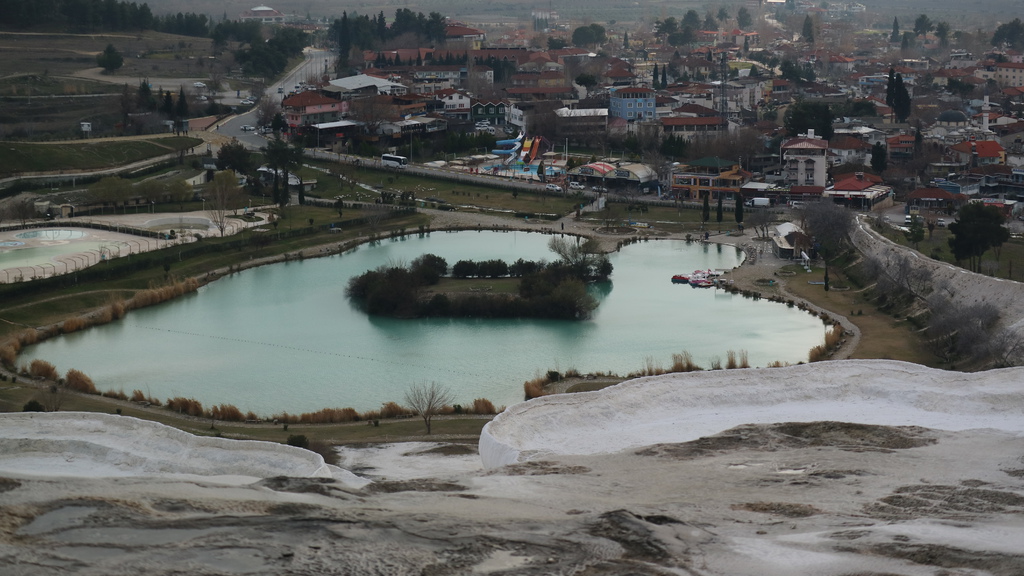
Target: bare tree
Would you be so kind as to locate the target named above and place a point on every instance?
(54, 396)
(374, 214)
(958, 331)
(582, 255)
(428, 399)
(23, 210)
(760, 219)
(373, 111)
(224, 195)
(266, 110)
(897, 275)
(1006, 349)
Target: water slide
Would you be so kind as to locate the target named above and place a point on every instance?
(512, 152)
(524, 156)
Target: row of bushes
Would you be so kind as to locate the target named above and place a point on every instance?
(681, 362)
(80, 382)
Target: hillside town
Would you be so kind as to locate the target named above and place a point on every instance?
(732, 105)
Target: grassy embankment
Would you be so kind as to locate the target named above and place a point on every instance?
(22, 157)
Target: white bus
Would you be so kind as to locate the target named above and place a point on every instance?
(392, 161)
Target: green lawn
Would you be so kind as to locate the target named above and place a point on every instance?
(464, 196)
(19, 157)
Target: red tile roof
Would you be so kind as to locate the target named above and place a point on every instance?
(308, 98)
(984, 148)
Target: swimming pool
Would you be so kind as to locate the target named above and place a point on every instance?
(51, 234)
(46, 252)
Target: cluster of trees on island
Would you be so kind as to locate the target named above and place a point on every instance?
(553, 290)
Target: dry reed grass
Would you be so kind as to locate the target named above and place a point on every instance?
(330, 416)
(393, 410)
(118, 308)
(535, 388)
(9, 354)
(72, 325)
(189, 406)
(818, 353)
(77, 380)
(483, 406)
(28, 337)
(103, 316)
(115, 394)
(43, 369)
(139, 396)
(683, 362)
(157, 294)
(833, 336)
(226, 412)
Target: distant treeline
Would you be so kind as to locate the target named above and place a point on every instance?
(361, 32)
(546, 290)
(95, 15)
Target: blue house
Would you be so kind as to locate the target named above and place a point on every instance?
(631, 103)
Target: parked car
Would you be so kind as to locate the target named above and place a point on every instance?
(941, 222)
(247, 102)
(576, 186)
(554, 187)
(248, 128)
(597, 188)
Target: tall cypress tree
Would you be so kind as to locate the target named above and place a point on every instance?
(895, 36)
(890, 88)
(344, 41)
(900, 99)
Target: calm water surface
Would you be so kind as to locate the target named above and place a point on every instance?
(284, 337)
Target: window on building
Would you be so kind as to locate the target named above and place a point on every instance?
(629, 104)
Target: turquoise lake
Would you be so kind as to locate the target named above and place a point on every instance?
(285, 338)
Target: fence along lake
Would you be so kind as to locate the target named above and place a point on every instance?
(284, 337)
